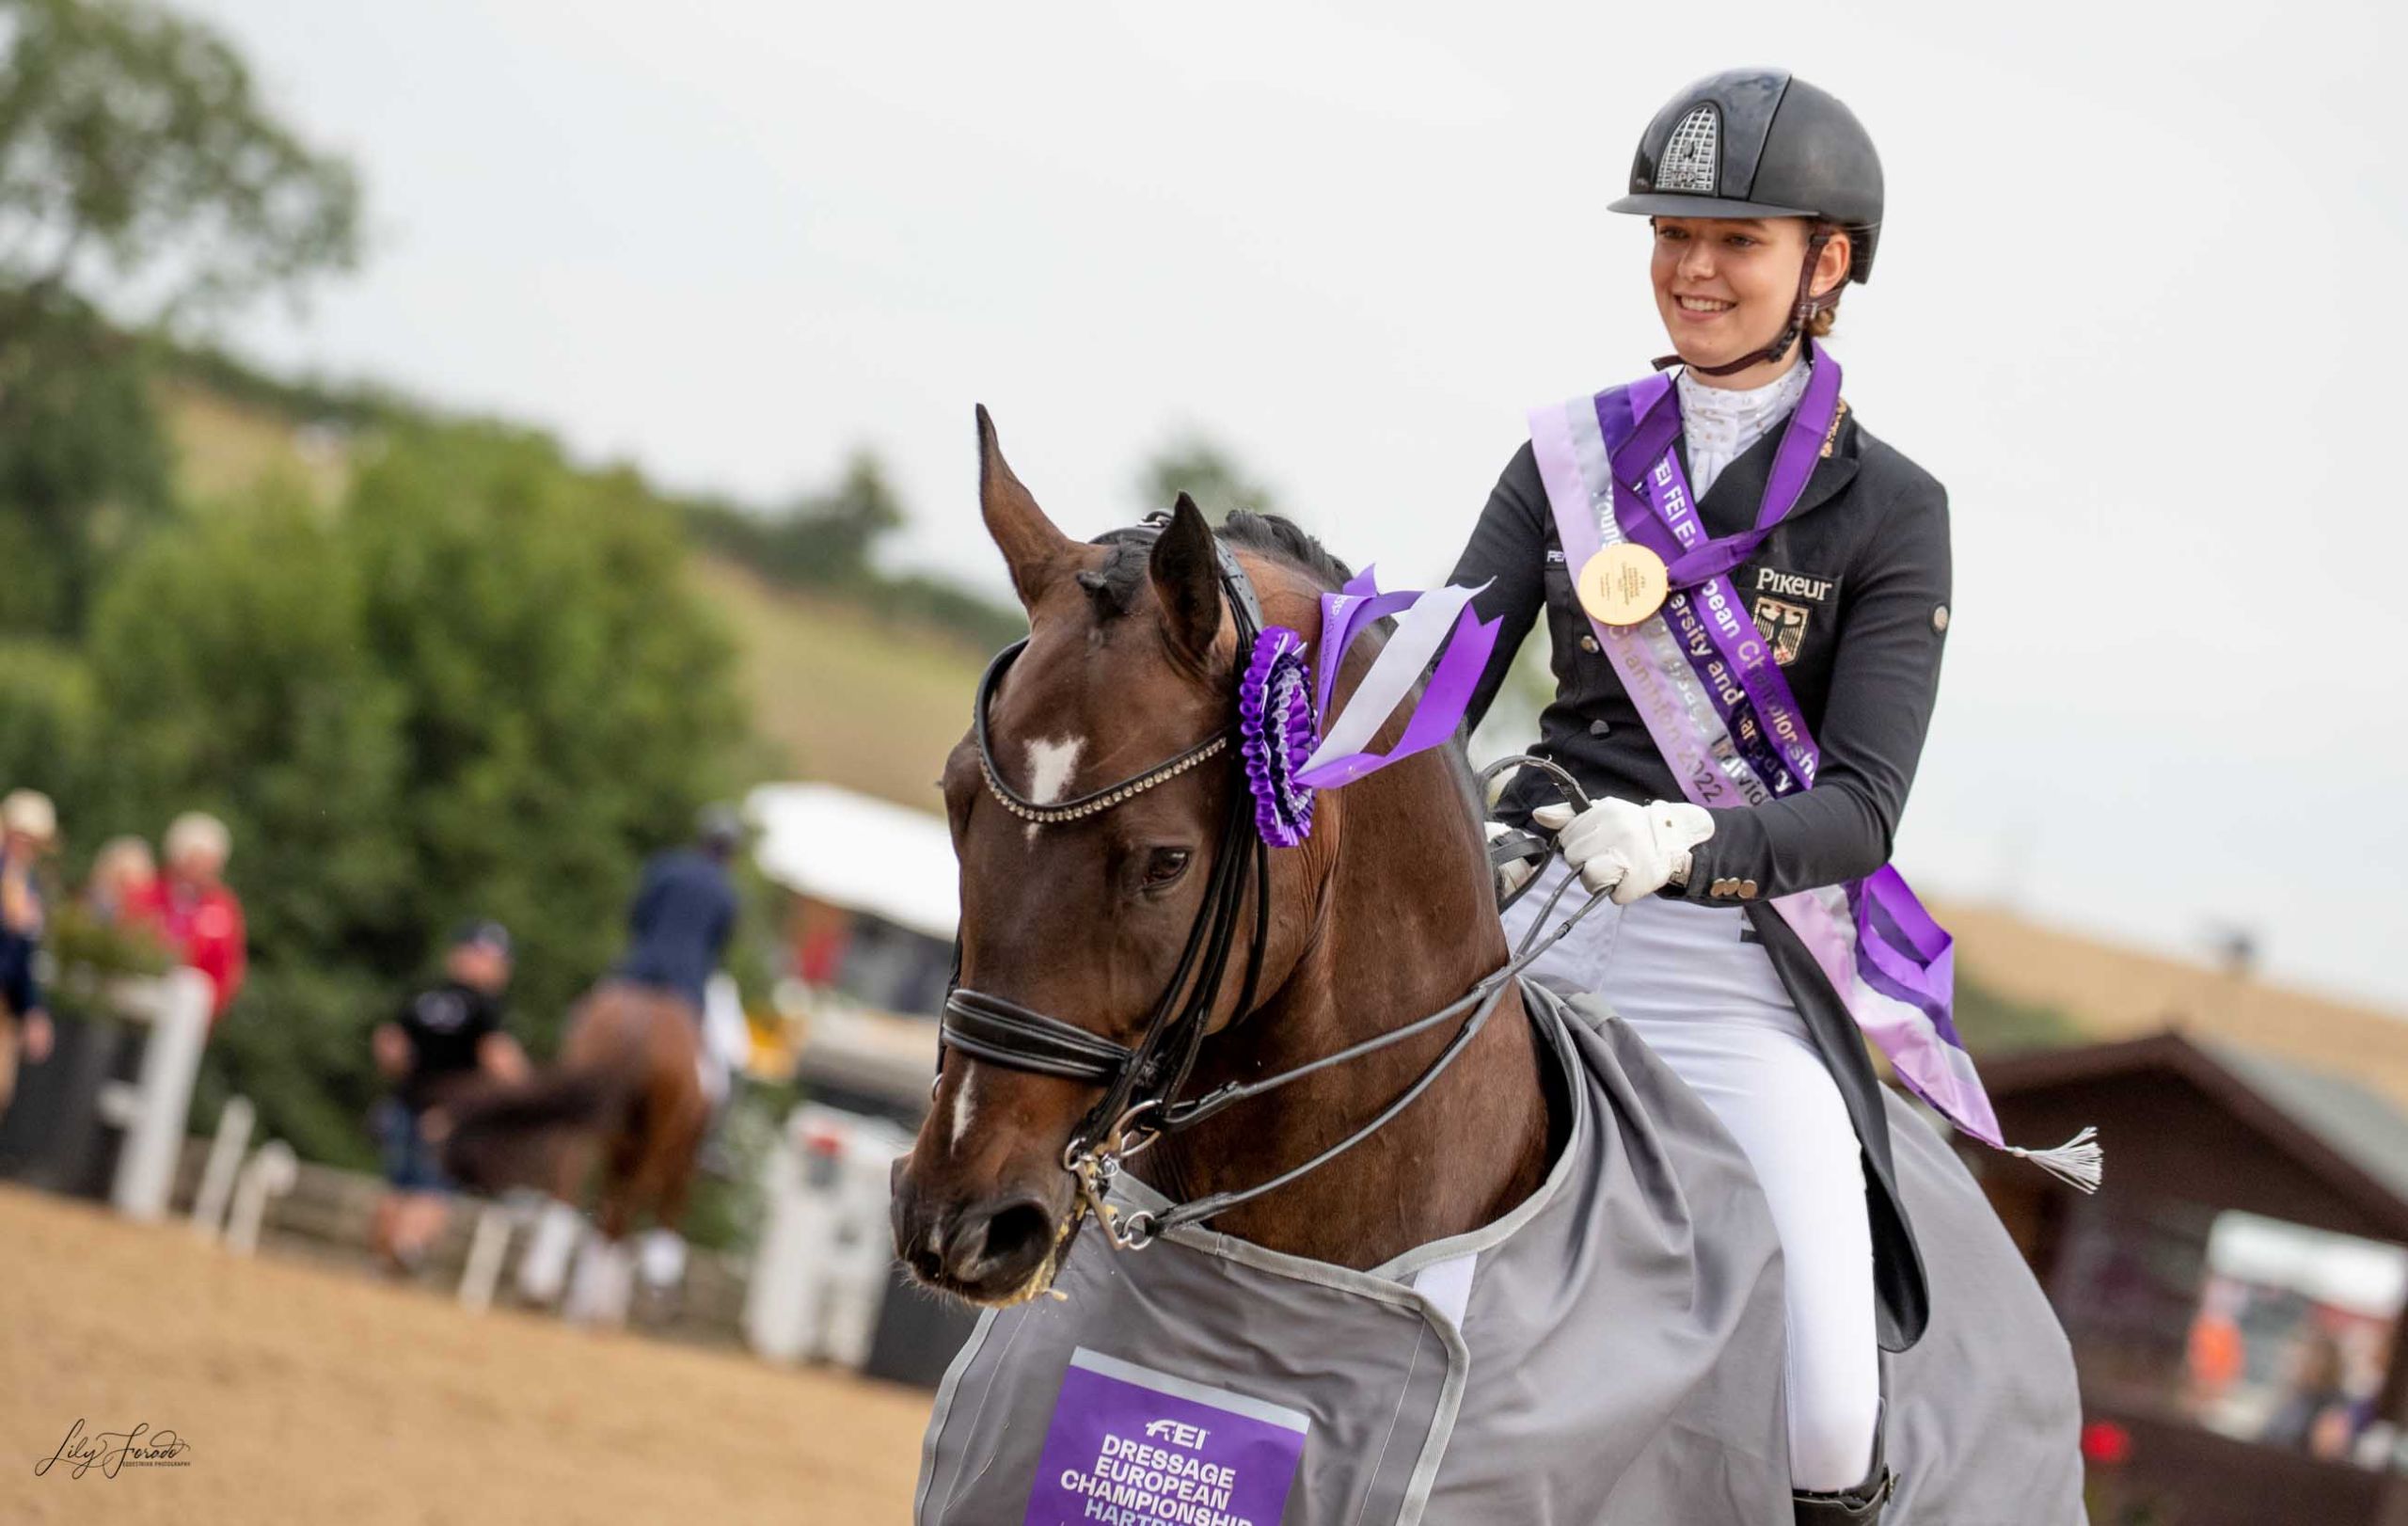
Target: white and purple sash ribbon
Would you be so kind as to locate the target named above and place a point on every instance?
(1721, 713)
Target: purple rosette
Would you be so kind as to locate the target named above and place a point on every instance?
(1275, 736)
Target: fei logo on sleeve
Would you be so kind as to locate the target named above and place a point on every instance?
(1130, 1446)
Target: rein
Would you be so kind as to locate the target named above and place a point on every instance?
(1142, 1082)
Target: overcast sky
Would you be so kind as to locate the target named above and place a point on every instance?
(2138, 304)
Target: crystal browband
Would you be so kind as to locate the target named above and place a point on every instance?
(1103, 800)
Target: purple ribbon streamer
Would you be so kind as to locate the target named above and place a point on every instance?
(1343, 616)
(1437, 708)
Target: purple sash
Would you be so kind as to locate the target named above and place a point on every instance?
(1704, 678)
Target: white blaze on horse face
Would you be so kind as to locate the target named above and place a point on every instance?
(1050, 767)
(963, 1110)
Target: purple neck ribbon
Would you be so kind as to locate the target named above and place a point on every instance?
(1650, 422)
(1733, 659)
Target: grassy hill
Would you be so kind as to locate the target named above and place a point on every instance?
(225, 447)
(843, 696)
(2113, 992)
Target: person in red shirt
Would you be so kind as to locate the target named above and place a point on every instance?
(194, 907)
(28, 831)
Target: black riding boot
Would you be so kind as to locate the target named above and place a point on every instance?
(1859, 1507)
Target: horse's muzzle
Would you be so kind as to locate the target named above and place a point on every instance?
(992, 1251)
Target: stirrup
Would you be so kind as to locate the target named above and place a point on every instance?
(1859, 1507)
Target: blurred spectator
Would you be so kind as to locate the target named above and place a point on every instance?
(29, 828)
(685, 911)
(2321, 1416)
(125, 877)
(192, 906)
(2218, 1353)
(444, 1037)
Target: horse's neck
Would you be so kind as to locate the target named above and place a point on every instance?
(1406, 923)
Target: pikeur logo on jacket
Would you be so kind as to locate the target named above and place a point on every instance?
(1784, 604)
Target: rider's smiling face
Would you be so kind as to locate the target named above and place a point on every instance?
(1725, 286)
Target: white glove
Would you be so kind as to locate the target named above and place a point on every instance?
(1514, 876)
(1632, 851)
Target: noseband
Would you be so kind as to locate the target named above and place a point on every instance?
(1142, 1077)
(1142, 1081)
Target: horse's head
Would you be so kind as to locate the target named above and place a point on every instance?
(1131, 661)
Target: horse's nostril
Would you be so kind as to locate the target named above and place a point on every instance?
(1019, 1235)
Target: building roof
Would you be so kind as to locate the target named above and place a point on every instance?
(2350, 1133)
(860, 853)
(2113, 992)
(2367, 1129)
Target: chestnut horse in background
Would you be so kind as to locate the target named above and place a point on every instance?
(625, 1094)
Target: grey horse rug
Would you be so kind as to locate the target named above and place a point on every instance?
(1609, 1352)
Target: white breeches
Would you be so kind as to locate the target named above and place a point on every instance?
(1711, 1008)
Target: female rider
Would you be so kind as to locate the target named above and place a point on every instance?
(1764, 194)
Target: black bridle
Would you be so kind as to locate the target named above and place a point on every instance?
(1142, 1081)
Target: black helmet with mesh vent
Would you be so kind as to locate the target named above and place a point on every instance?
(1761, 143)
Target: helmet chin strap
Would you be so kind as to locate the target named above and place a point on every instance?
(1801, 313)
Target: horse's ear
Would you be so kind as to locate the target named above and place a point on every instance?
(1033, 548)
(1186, 572)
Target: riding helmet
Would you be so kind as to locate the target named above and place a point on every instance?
(1759, 143)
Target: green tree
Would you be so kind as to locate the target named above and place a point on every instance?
(233, 676)
(47, 719)
(840, 529)
(1205, 471)
(83, 464)
(824, 539)
(481, 688)
(142, 184)
(829, 540)
(140, 169)
(568, 703)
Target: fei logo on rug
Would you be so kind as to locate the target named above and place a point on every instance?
(1130, 1446)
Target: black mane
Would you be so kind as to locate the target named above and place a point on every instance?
(1276, 536)
(1115, 585)
(1280, 536)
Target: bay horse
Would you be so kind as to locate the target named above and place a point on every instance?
(1105, 892)
(626, 1095)
(1130, 659)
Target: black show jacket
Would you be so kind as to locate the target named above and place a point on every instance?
(1852, 591)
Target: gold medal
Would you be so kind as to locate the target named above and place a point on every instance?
(1623, 584)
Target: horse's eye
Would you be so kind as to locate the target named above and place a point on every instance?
(1167, 865)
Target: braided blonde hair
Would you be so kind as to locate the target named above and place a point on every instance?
(1827, 315)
